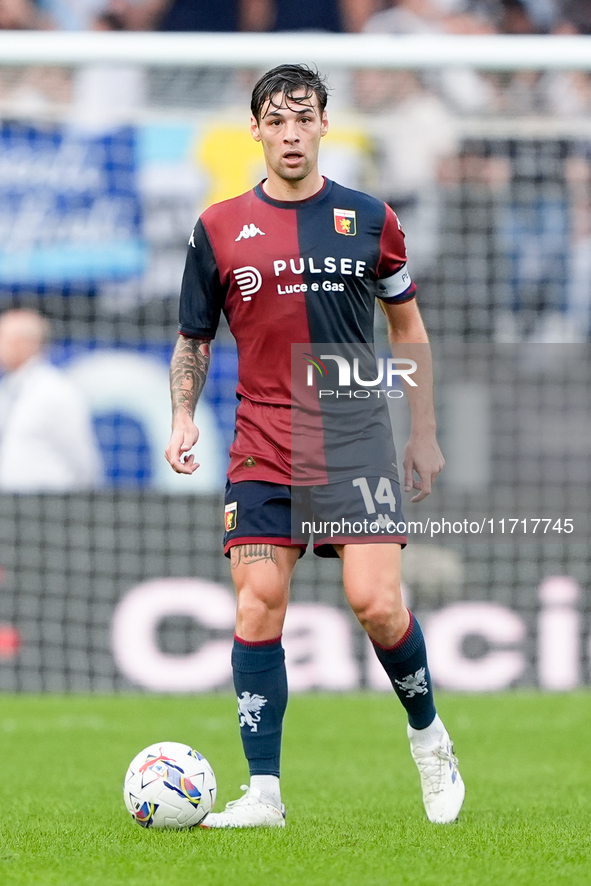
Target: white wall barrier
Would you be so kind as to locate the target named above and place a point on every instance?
(320, 648)
(318, 639)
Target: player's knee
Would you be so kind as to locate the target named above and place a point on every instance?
(256, 604)
(383, 613)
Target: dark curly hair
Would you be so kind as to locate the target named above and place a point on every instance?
(287, 79)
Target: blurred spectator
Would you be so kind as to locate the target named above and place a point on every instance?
(18, 15)
(424, 16)
(515, 18)
(308, 15)
(246, 15)
(569, 92)
(70, 15)
(107, 95)
(578, 296)
(405, 17)
(542, 175)
(46, 438)
(178, 15)
(570, 95)
(563, 93)
(415, 137)
(519, 16)
(464, 89)
(518, 92)
(577, 14)
(544, 13)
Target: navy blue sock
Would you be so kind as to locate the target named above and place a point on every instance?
(260, 681)
(406, 666)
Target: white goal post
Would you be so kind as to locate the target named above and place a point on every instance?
(485, 53)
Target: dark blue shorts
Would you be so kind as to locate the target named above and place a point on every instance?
(366, 510)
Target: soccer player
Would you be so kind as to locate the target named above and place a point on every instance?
(301, 259)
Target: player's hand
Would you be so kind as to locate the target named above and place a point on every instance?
(183, 438)
(423, 457)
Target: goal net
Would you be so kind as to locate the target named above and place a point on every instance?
(111, 145)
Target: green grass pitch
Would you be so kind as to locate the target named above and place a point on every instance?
(355, 815)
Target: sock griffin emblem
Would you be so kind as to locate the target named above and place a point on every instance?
(249, 709)
(414, 683)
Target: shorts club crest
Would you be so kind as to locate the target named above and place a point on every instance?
(231, 513)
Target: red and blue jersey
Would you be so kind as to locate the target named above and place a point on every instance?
(282, 273)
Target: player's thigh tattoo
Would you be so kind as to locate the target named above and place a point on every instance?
(246, 554)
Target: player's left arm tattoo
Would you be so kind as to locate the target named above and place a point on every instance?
(248, 554)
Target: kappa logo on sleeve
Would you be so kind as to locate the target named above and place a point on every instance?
(345, 222)
(231, 513)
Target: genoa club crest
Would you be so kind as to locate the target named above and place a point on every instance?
(345, 222)
(230, 514)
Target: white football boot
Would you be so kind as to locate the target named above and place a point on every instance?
(250, 811)
(443, 788)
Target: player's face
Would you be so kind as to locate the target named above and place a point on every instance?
(290, 134)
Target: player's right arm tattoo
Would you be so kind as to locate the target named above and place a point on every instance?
(188, 371)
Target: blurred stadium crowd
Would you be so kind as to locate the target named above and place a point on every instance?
(399, 17)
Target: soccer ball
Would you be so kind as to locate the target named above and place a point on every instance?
(169, 785)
